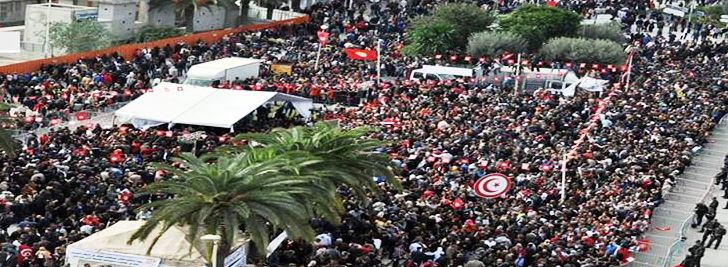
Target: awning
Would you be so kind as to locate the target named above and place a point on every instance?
(205, 106)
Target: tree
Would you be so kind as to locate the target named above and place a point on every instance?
(611, 31)
(79, 36)
(7, 142)
(583, 50)
(283, 180)
(150, 33)
(494, 43)
(466, 20)
(347, 157)
(427, 37)
(711, 14)
(537, 24)
(220, 195)
(447, 29)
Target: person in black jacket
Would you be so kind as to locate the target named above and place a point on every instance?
(700, 211)
(697, 251)
(708, 229)
(7, 259)
(717, 236)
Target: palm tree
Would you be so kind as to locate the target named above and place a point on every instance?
(346, 157)
(7, 142)
(289, 178)
(257, 192)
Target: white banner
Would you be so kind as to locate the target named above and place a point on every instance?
(77, 256)
(273, 245)
(237, 258)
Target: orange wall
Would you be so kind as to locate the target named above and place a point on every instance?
(128, 51)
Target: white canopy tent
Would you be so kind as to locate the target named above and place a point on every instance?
(187, 104)
(108, 247)
(587, 83)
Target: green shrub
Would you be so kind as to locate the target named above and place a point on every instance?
(151, 33)
(427, 37)
(611, 31)
(466, 20)
(537, 24)
(447, 29)
(583, 50)
(495, 43)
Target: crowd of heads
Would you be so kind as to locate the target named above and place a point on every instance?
(69, 183)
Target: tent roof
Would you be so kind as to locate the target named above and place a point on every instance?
(172, 246)
(187, 104)
(226, 63)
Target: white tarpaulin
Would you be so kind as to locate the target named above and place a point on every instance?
(592, 85)
(108, 247)
(587, 83)
(206, 106)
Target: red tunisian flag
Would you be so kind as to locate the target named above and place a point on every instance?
(360, 54)
(323, 37)
(81, 115)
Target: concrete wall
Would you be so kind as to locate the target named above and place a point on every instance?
(283, 15)
(257, 12)
(209, 18)
(12, 11)
(161, 17)
(121, 14)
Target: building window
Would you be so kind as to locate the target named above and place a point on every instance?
(18, 6)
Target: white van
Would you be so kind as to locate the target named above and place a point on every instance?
(546, 78)
(229, 69)
(440, 73)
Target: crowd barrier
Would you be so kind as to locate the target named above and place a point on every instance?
(128, 51)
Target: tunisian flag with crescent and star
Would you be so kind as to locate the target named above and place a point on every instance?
(360, 54)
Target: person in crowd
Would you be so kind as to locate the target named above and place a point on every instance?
(708, 229)
(697, 252)
(700, 211)
(717, 236)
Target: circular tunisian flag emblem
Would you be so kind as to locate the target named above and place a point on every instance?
(492, 185)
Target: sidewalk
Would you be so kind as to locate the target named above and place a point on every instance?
(672, 219)
(713, 257)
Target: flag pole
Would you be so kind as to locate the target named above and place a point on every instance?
(318, 56)
(379, 60)
(518, 73)
(563, 178)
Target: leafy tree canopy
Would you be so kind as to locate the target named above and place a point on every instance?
(466, 19)
(583, 50)
(538, 24)
(494, 43)
(427, 37)
(79, 36)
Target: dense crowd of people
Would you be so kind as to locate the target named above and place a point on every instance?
(69, 183)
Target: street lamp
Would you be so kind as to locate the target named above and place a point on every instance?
(215, 243)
